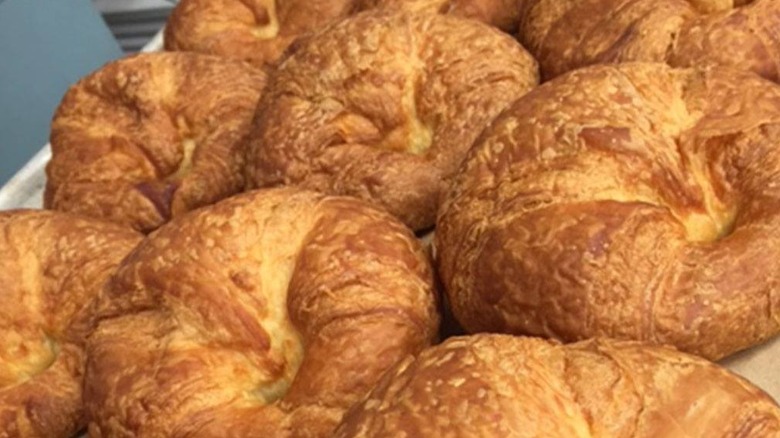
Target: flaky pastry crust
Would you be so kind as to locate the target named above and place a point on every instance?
(568, 34)
(255, 31)
(267, 314)
(500, 386)
(503, 14)
(152, 136)
(383, 106)
(52, 266)
(634, 201)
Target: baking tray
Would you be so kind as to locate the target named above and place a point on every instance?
(760, 365)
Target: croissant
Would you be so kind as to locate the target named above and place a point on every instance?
(568, 34)
(150, 137)
(52, 266)
(383, 106)
(267, 314)
(634, 201)
(500, 386)
(255, 31)
(503, 14)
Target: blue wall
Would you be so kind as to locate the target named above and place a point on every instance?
(45, 45)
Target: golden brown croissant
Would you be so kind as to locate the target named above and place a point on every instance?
(499, 386)
(267, 314)
(152, 136)
(384, 107)
(52, 265)
(503, 14)
(256, 31)
(567, 34)
(633, 201)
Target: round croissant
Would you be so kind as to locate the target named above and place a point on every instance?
(255, 31)
(568, 34)
(500, 386)
(52, 266)
(634, 201)
(152, 136)
(384, 106)
(267, 314)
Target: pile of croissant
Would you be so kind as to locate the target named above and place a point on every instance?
(406, 218)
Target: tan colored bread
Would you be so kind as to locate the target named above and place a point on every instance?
(568, 34)
(497, 386)
(267, 314)
(503, 14)
(150, 137)
(255, 31)
(52, 266)
(634, 201)
(384, 106)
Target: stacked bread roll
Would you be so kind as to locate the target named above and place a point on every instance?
(598, 238)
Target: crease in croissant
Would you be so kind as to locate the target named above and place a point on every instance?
(255, 31)
(267, 314)
(383, 106)
(152, 136)
(633, 201)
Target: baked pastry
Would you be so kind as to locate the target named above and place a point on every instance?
(568, 34)
(403, 99)
(152, 136)
(505, 387)
(633, 201)
(503, 14)
(52, 265)
(267, 314)
(255, 31)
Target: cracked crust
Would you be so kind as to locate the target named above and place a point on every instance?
(255, 31)
(633, 201)
(260, 31)
(267, 314)
(53, 265)
(503, 14)
(568, 34)
(384, 106)
(150, 137)
(501, 386)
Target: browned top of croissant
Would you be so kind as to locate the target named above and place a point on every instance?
(567, 34)
(256, 31)
(152, 136)
(503, 14)
(505, 387)
(384, 106)
(634, 201)
(267, 314)
(52, 265)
